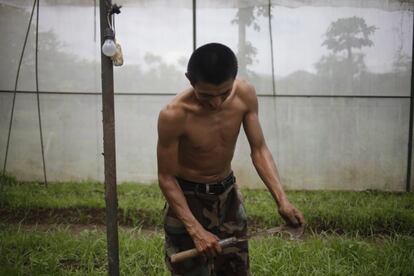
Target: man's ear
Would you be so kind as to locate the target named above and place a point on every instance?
(189, 77)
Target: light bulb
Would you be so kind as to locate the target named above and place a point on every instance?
(109, 47)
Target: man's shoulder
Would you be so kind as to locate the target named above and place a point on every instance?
(176, 109)
(244, 85)
(246, 91)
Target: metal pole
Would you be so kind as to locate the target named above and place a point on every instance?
(109, 148)
(271, 48)
(194, 25)
(410, 131)
(98, 93)
(37, 93)
(15, 92)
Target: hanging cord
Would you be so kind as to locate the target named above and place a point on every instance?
(194, 25)
(112, 10)
(113, 23)
(37, 92)
(15, 89)
(94, 20)
(109, 21)
(271, 48)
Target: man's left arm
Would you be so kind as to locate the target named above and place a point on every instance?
(263, 160)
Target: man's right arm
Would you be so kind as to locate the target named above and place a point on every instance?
(170, 128)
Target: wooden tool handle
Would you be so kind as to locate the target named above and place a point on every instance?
(184, 255)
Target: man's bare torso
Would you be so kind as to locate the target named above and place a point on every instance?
(208, 139)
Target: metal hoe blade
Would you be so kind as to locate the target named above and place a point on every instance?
(294, 233)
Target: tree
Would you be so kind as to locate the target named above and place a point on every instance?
(340, 68)
(245, 17)
(347, 33)
(59, 70)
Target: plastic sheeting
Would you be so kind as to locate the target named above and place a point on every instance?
(366, 52)
(318, 143)
(327, 48)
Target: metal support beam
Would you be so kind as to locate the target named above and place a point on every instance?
(111, 199)
(194, 25)
(410, 131)
(272, 57)
(98, 93)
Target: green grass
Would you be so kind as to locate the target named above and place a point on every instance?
(348, 233)
(365, 213)
(61, 252)
(334, 255)
(83, 202)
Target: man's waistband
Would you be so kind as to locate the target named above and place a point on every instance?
(215, 188)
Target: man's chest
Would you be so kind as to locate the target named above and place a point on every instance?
(207, 132)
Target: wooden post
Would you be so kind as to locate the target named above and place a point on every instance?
(109, 148)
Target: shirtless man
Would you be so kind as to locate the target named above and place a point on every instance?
(197, 134)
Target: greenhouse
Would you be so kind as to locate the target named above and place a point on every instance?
(333, 81)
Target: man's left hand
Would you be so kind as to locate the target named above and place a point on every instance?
(290, 214)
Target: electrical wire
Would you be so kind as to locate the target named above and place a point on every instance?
(271, 47)
(15, 90)
(94, 20)
(194, 25)
(109, 21)
(108, 8)
(110, 16)
(410, 130)
(113, 24)
(37, 92)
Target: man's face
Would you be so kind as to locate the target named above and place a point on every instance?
(212, 96)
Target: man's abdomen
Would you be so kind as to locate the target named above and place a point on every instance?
(205, 167)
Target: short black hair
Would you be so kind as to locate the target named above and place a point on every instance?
(213, 63)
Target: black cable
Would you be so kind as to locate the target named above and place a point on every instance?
(410, 127)
(15, 90)
(37, 92)
(271, 47)
(116, 9)
(194, 25)
(112, 10)
(94, 20)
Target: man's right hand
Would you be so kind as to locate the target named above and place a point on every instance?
(206, 242)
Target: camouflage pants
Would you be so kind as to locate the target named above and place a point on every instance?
(223, 215)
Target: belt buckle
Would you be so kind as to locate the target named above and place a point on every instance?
(204, 190)
(219, 185)
(208, 188)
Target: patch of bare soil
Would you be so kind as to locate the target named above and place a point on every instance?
(79, 219)
(76, 229)
(74, 220)
(46, 215)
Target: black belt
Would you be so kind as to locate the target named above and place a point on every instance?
(215, 188)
